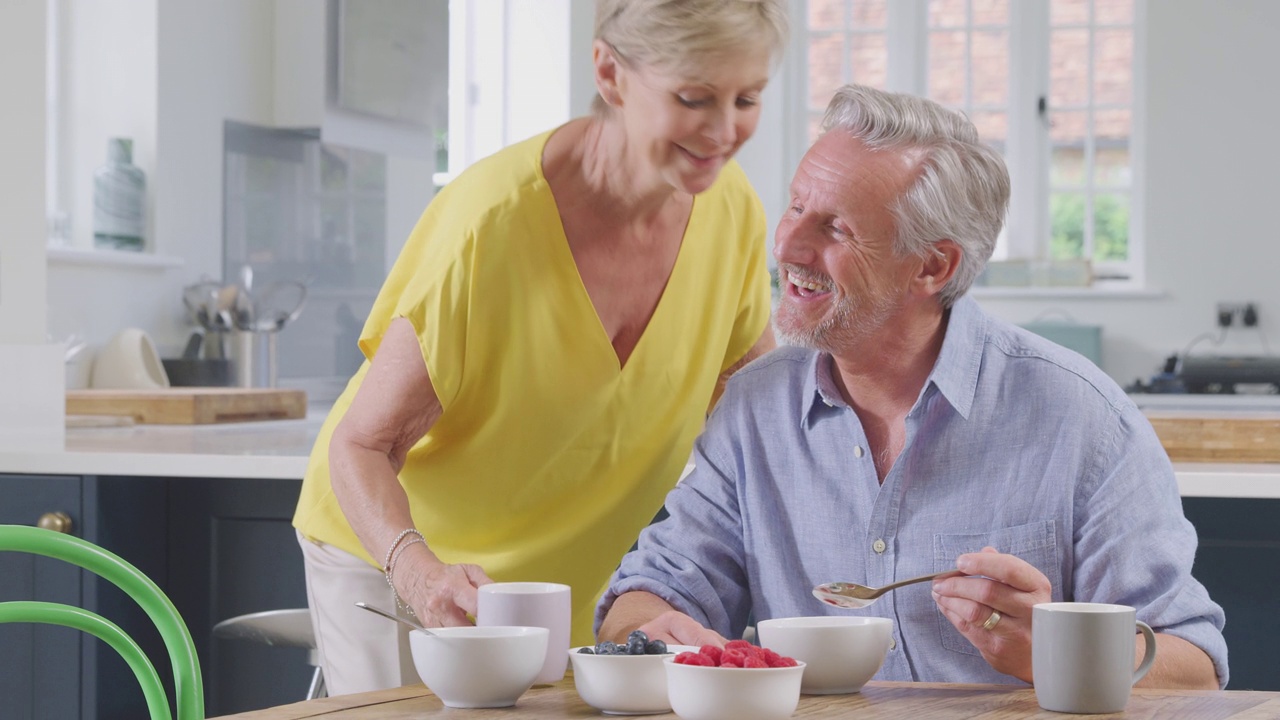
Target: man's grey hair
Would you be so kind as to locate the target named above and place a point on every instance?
(962, 192)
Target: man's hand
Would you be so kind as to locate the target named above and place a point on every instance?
(638, 610)
(998, 583)
(676, 628)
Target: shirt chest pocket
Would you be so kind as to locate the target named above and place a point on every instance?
(1035, 543)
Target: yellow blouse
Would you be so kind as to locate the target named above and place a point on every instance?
(549, 459)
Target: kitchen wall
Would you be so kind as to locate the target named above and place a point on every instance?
(1213, 104)
(1211, 108)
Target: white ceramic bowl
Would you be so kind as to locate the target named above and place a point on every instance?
(128, 361)
(842, 652)
(715, 693)
(624, 684)
(479, 667)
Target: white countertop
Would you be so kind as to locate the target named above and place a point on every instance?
(273, 449)
(278, 449)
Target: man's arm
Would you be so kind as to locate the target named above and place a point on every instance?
(640, 610)
(1179, 665)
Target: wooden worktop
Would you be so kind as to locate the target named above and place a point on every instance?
(1218, 436)
(919, 701)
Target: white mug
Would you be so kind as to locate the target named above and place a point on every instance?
(531, 604)
(1082, 655)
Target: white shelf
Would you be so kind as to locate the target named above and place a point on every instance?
(1058, 293)
(112, 258)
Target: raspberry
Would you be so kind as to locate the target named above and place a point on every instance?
(770, 657)
(712, 652)
(685, 658)
(754, 662)
(784, 661)
(703, 660)
(737, 645)
(733, 658)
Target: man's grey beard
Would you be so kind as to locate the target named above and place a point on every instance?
(850, 322)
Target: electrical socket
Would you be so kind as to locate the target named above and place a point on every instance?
(1246, 311)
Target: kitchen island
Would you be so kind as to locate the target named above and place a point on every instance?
(205, 510)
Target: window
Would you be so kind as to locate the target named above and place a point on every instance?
(1051, 84)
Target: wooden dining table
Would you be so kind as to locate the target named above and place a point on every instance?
(917, 701)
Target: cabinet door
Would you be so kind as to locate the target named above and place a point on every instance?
(1239, 561)
(39, 664)
(232, 551)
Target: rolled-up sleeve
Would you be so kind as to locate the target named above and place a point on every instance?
(1135, 547)
(694, 559)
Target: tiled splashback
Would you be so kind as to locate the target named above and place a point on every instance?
(295, 208)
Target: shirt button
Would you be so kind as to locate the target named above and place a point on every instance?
(857, 451)
(893, 644)
(878, 546)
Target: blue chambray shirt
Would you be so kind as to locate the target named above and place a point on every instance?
(1014, 442)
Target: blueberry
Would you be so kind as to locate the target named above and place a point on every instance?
(586, 651)
(655, 647)
(606, 648)
(635, 646)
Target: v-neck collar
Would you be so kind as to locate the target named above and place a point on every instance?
(561, 245)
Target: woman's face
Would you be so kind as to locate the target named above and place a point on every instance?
(686, 126)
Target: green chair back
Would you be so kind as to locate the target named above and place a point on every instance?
(188, 686)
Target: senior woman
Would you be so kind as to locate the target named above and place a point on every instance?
(545, 348)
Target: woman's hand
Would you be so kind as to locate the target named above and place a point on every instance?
(441, 595)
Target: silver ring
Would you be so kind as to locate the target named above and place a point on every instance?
(990, 624)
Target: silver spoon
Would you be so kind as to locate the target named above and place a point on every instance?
(855, 596)
(392, 616)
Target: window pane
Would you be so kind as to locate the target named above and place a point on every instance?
(993, 128)
(991, 68)
(1066, 213)
(1068, 68)
(869, 14)
(815, 126)
(333, 171)
(1112, 125)
(1067, 128)
(1111, 227)
(1111, 166)
(870, 60)
(826, 14)
(990, 12)
(946, 67)
(1113, 12)
(1113, 67)
(1068, 166)
(947, 13)
(824, 68)
(1068, 12)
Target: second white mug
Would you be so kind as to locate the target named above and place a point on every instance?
(531, 604)
(1082, 655)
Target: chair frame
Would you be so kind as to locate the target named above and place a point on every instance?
(188, 685)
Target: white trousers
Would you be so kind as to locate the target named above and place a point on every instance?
(359, 651)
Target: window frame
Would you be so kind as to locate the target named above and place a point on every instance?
(1028, 155)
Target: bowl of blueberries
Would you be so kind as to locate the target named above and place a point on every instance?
(624, 678)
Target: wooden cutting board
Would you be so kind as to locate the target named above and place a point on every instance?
(1244, 437)
(191, 406)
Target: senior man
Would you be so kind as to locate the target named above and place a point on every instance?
(911, 433)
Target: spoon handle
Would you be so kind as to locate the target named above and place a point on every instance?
(391, 616)
(891, 586)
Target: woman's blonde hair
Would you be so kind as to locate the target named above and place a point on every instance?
(679, 35)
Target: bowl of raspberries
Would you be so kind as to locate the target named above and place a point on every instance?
(740, 681)
(624, 678)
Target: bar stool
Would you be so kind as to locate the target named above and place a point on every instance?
(282, 628)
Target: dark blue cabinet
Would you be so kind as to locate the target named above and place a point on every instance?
(217, 547)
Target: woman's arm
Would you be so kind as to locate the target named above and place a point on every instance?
(762, 346)
(393, 409)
